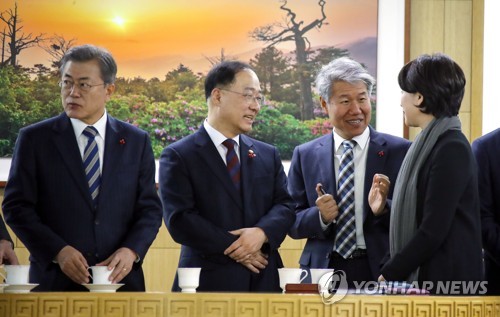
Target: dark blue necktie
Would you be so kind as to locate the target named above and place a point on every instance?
(233, 164)
(345, 242)
(91, 163)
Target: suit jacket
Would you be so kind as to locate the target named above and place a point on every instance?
(447, 244)
(313, 163)
(48, 205)
(487, 150)
(201, 205)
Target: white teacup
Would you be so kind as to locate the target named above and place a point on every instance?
(100, 274)
(291, 276)
(316, 274)
(16, 274)
(189, 278)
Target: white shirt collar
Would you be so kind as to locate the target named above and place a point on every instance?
(361, 139)
(217, 137)
(100, 125)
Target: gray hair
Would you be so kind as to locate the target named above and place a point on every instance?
(87, 52)
(342, 69)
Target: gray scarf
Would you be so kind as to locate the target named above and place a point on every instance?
(403, 225)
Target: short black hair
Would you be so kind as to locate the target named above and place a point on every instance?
(439, 79)
(222, 75)
(87, 52)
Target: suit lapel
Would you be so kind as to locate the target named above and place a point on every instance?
(326, 171)
(113, 154)
(66, 144)
(248, 166)
(209, 154)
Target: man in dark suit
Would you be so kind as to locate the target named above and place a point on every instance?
(345, 90)
(229, 222)
(486, 149)
(81, 189)
(7, 254)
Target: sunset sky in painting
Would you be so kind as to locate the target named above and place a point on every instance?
(151, 37)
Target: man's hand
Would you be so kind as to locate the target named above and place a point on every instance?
(121, 263)
(73, 264)
(378, 194)
(256, 262)
(7, 254)
(327, 206)
(249, 242)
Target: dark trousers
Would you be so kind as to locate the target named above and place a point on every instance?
(357, 269)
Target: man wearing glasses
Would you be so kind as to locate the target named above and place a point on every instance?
(224, 194)
(81, 189)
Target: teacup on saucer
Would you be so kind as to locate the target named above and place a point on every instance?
(103, 288)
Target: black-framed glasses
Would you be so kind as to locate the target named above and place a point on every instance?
(68, 85)
(249, 97)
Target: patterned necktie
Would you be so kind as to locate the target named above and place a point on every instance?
(233, 164)
(91, 163)
(345, 242)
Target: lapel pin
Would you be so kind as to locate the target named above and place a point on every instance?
(122, 141)
(251, 154)
(380, 153)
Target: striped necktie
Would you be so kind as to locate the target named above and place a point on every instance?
(91, 163)
(233, 164)
(345, 242)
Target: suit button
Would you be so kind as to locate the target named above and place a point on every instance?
(96, 222)
(97, 255)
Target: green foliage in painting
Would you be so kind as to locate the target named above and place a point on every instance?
(174, 107)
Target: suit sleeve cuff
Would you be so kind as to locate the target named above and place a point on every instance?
(324, 226)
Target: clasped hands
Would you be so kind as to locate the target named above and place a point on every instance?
(246, 250)
(75, 266)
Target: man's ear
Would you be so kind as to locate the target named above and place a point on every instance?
(324, 104)
(110, 89)
(215, 96)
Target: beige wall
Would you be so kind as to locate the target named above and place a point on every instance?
(453, 27)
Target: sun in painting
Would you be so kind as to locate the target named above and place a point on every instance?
(119, 21)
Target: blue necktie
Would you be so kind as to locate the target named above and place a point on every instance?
(345, 242)
(232, 162)
(91, 163)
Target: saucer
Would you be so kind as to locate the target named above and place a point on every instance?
(103, 288)
(19, 288)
